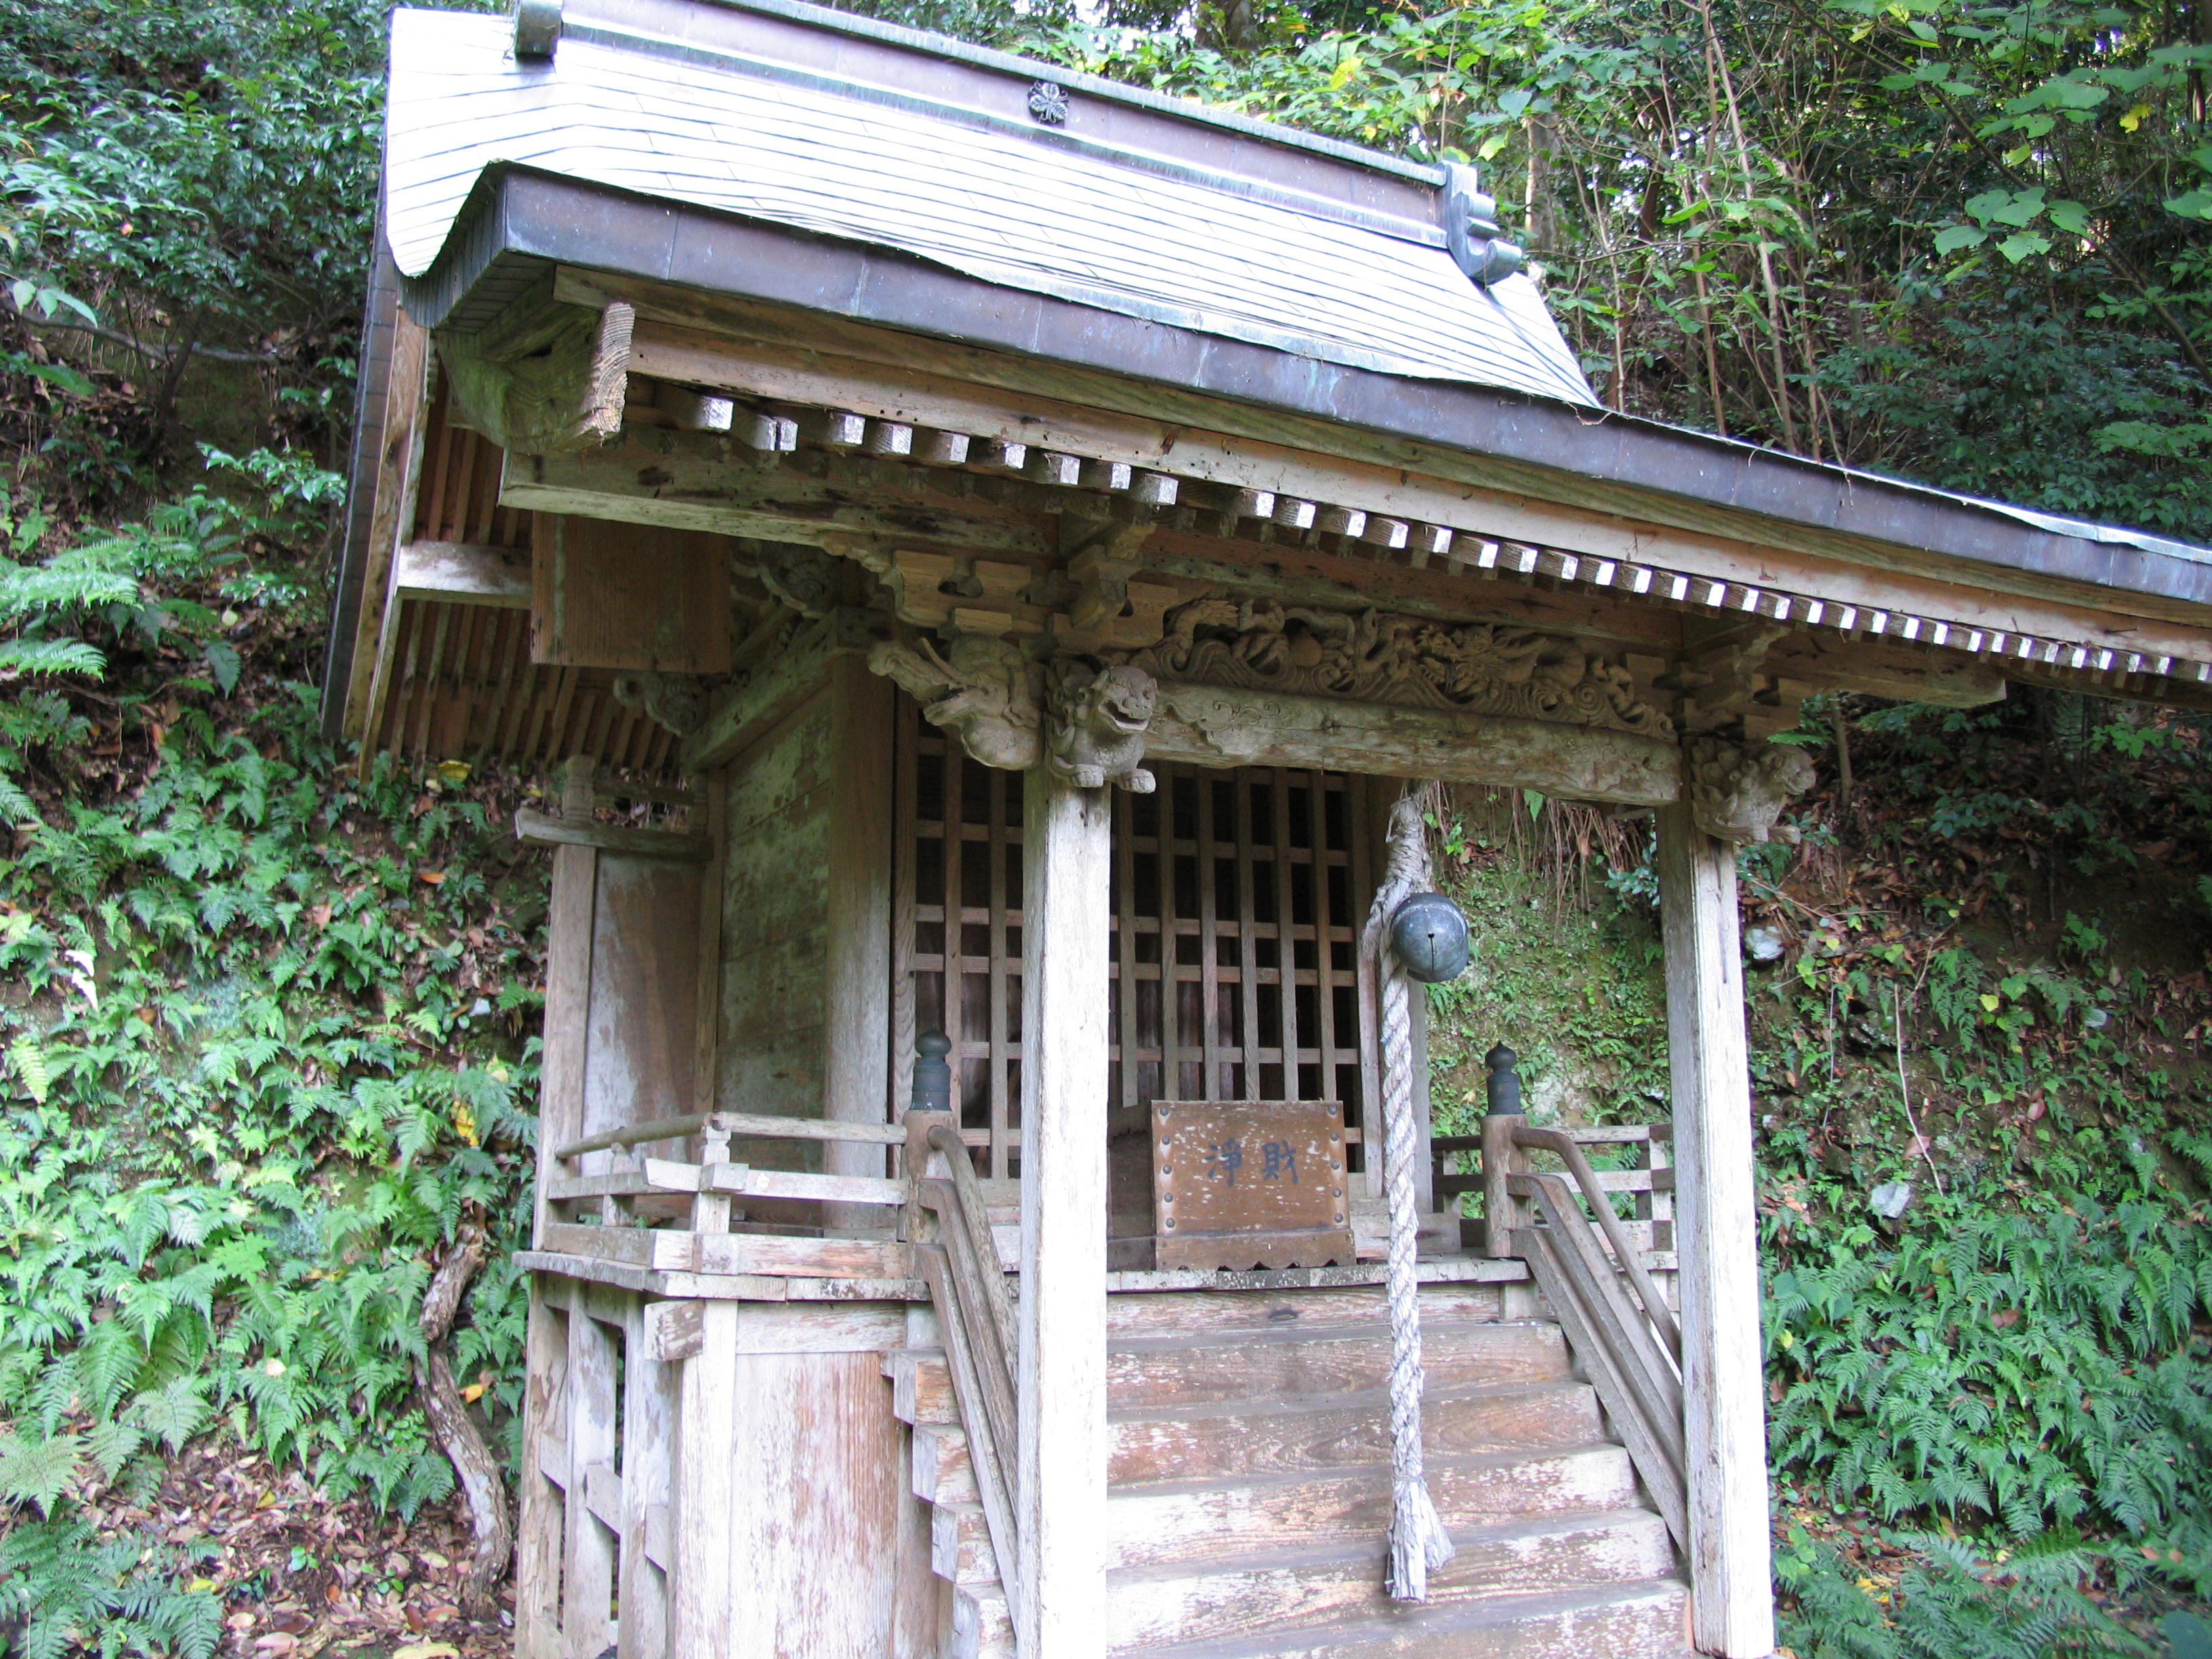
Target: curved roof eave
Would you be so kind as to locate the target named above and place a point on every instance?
(517, 218)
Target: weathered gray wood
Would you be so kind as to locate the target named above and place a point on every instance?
(1061, 1501)
(700, 480)
(465, 573)
(856, 1068)
(538, 1527)
(702, 1608)
(1216, 726)
(568, 939)
(399, 473)
(1196, 436)
(587, 1561)
(763, 698)
(649, 1452)
(546, 830)
(1732, 1597)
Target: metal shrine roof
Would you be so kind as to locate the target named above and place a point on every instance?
(1129, 204)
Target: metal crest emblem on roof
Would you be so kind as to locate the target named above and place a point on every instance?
(1048, 103)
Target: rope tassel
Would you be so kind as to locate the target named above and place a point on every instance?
(1418, 1543)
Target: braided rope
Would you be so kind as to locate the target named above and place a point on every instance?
(1419, 1542)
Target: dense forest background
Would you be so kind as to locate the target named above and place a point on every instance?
(269, 1015)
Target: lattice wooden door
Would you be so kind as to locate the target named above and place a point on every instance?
(1238, 897)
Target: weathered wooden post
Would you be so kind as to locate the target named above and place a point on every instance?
(1732, 1595)
(1060, 1494)
(1502, 1118)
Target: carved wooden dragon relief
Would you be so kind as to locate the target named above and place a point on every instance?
(1480, 668)
(981, 689)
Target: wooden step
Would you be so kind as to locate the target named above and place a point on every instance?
(942, 1472)
(1292, 1588)
(1301, 1362)
(921, 1386)
(1646, 1620)
(1187, 1313)
(983, 1624)
(1241, 1437)
(1199, 1520)
(960, 1545)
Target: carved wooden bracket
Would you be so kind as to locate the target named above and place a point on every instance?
(983, 690)
(1737, 793)
(987, 692)
(677, 702)
(804, 578)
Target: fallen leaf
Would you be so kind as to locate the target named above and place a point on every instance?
(2006, 1320)
(432, 878)
(426, 1651)
(279, 1641)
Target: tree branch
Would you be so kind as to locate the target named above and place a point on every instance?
(457, 1433)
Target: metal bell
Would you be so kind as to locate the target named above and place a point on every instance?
(1430, 936)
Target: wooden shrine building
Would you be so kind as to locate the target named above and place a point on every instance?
(976, 554)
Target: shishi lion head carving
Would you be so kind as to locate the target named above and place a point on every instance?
(1100, 716)
(1738, 794)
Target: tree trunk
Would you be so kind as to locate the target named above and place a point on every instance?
(457, 1433)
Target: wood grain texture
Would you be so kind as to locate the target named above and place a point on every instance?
(1732, 1598)
(1269, 1364)
(465, 573)
(539, 1524)
(774, 934)
(856, 1064)
(1061, 1374)
(612, 595)
(396, 480)
(704, 1609)
(1273, 1437)
(641, 1034)
(569, 930)
(648, 1456)
(692, 482)
(813, 1566)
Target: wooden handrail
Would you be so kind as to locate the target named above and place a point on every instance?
(1632, 1260)
(1641, 1394)
(975, 1316)
(756, 1124)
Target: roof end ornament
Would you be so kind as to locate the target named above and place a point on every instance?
(1471, 230)
(537, 29)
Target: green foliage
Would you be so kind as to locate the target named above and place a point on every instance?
(65, 1589)
(1965, 240)
(2036, 1369)
(2026, 1604)
(266, 1051)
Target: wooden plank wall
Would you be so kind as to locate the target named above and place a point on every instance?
(777, 806)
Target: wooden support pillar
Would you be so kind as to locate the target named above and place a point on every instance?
(701, 1611)
(1731, 1589)
(1061, 1499)
(856, 1065)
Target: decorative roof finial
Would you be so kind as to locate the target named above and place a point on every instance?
(537, 29)
(1471, 230)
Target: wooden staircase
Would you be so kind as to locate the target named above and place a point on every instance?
(1250, 1488)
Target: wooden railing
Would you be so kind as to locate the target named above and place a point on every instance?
(1592, 1269)
(956, 1257)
